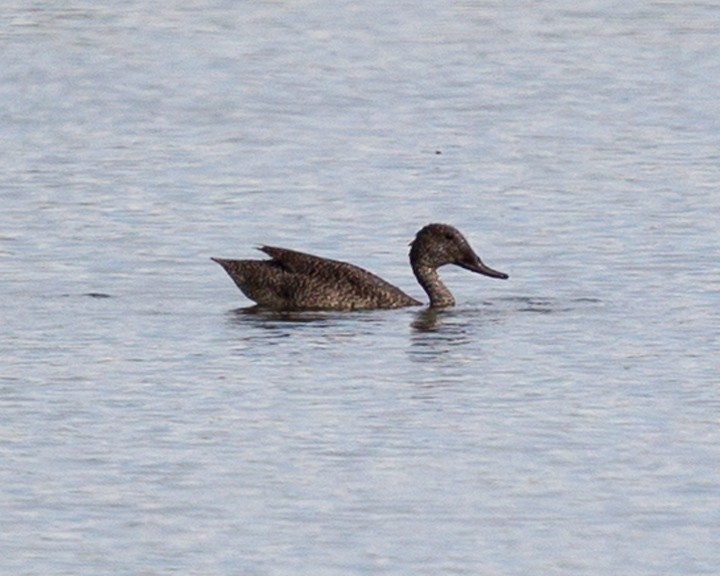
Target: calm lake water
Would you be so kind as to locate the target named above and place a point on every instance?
(565, 421)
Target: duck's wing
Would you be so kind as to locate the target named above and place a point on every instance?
(322, 268)
(326, 283)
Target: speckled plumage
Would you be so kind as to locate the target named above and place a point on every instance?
(293, 280)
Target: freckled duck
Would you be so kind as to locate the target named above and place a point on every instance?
(293, 280)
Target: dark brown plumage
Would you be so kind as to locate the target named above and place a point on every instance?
(293, 280)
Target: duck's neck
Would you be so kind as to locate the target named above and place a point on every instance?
(438, 293)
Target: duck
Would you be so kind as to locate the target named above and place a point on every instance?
(292, 280)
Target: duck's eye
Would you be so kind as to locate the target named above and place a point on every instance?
(449, 236)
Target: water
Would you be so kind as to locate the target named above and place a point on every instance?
(561, 422)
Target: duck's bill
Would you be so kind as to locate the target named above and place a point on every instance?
(477, 265)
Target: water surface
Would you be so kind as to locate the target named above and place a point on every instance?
(561, 422)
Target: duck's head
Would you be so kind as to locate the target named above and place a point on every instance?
(439, 244)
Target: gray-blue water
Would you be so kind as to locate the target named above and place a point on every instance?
(565, 421)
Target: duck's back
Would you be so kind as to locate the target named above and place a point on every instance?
(300, 281)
